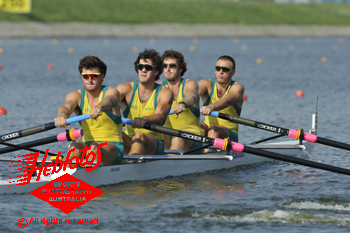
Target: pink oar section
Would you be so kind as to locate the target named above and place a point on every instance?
(307, 136)
(72, 135)
(283, 131)
(235, 146)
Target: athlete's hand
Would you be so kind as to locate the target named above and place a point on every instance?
(95, 111)
(138, 122)
(178, 108)
(206, 110)
(61, 122)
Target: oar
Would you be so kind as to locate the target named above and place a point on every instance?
(72, 134)
(288, 132)
(221, 143)
(40, 128)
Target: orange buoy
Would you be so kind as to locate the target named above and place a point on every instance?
(49, 66)
(3, 111)
(299, 93)
(0, 67)
(245, 97)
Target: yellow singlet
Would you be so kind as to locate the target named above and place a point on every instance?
(137, 109)
(189, 119)
(107, 128)
(231, 110)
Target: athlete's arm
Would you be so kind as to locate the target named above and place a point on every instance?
(109, 101)
(71, 102)
(204, 88)
(234, 96)
(164, 101)
(124, 90)
(191, 97)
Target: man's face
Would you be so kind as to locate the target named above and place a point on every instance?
(146, 71)
(92, 78)
(171, 69)
(223, 73)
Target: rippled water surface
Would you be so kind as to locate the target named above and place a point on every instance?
(270, 197)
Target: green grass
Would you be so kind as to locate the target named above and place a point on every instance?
(183, 12)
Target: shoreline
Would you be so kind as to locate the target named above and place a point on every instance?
(9, 30)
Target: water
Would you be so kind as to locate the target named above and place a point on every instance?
(270, 197)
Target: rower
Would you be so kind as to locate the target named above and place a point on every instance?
(103, 105)
(145, 101)
(185, 102)
(224, 95)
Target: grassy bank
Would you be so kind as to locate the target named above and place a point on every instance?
(183, 12)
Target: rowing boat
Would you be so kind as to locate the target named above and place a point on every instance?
(172, 163)
(148, 167)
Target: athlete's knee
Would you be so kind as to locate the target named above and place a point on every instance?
(218, 131)
(139, 136)
(76, 145)
(204, 129)
(167, 142)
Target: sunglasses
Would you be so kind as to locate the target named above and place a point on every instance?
(171, 65)
(92, 75)
(223, 68)
(147, 67)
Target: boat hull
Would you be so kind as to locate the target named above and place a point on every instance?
(147, 169)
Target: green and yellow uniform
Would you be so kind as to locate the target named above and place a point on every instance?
(233, 110)
(106, 128)
(137, 109)
(188, 120)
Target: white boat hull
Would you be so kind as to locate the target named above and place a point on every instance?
(146, 169)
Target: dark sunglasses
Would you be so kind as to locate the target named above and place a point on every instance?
(92, 75)
(223, 68)
(171, 65)
(146, 66)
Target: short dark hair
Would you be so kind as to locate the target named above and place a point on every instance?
(90, 62)
(228, 58)
(154, 56)
(179, 58)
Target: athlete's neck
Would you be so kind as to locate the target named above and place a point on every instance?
(93, 97)
(222, 88)
(145, 90)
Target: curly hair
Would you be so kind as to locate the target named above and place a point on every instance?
(90, 62)
(228, 58)
(179, 58)
(154, 56)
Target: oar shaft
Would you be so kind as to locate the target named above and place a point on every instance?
(173, 132)
(19, 147)
(26, 132)
(336, 144)
(40, 128)
(179, 133)
(30, 144)
(256, 124)
(295, 160)
(76, 133)
(283, 131)
(268, 154)
(240, 147)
